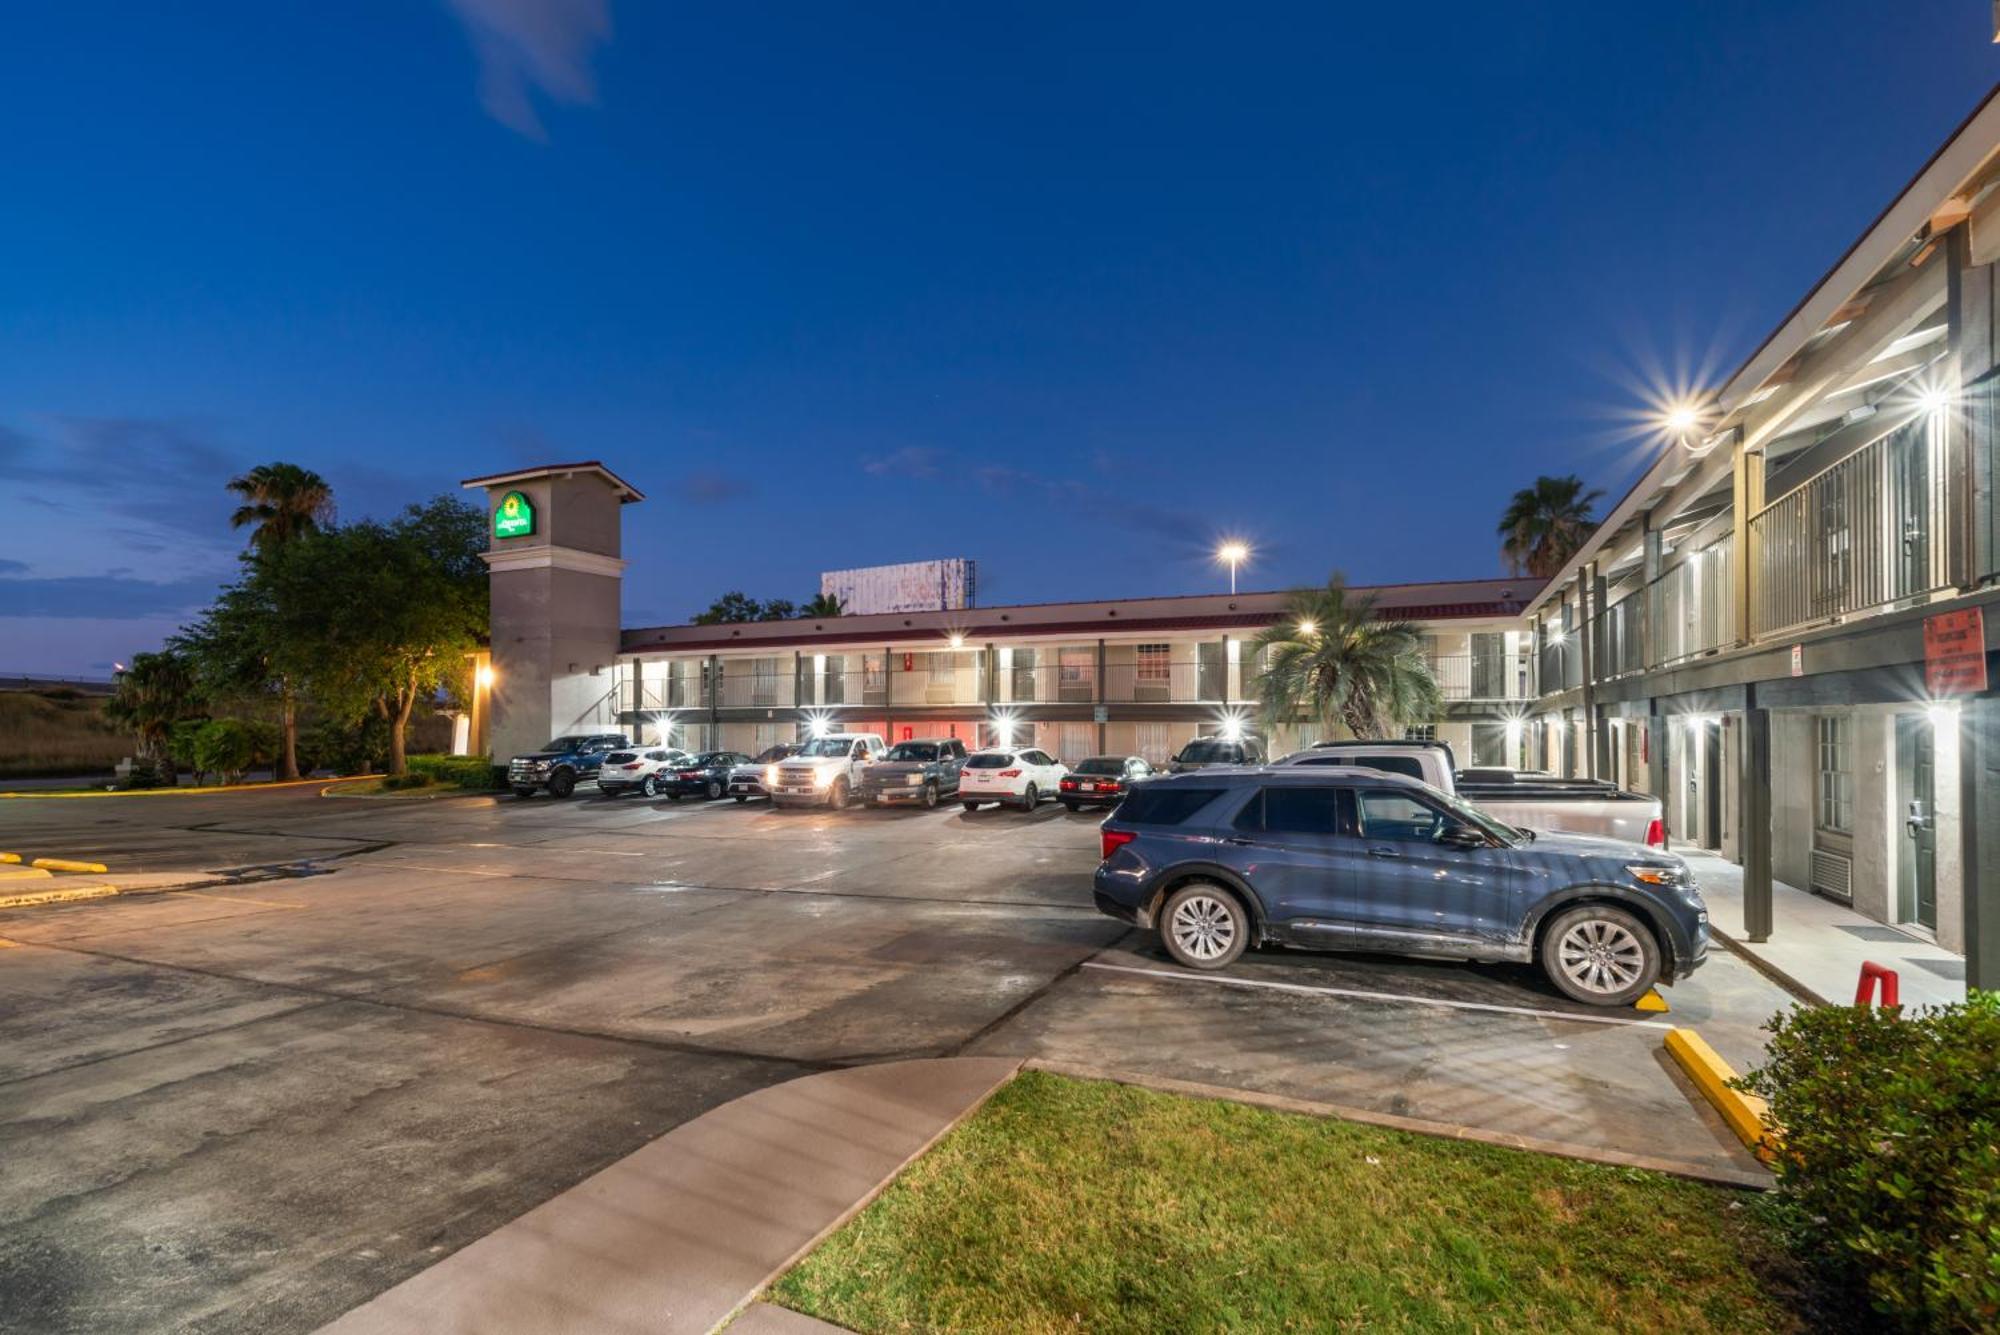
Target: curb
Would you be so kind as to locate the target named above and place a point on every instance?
(65, 895)
(1771, 971)
(26, 796)
(1746, 1114)
(67, 864)
(10, 874)
(1721, 1177)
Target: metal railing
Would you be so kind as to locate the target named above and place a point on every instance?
(1475, 676)
(1691, 609)
(1868, 531)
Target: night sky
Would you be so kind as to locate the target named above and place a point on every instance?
(1069, 289)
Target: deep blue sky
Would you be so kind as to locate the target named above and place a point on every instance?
(839, 285)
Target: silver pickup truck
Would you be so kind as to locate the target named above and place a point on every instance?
(1518, 797)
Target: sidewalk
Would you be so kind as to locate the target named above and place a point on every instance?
(1818, 947)
(680, 1234)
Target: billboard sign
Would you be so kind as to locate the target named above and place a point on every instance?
(916, 586)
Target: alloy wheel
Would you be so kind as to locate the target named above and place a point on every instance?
(1601, 956)
(1203, 927)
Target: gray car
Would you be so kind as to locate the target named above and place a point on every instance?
(918, 771)
(1222, 859)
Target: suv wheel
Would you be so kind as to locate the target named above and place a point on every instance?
(1600, 955)
(930, 794)
(649, 786)
(714, 789)
(562, 784)
(836, 796)
(1203, 926)
(970, 806)
(1071, 807)
(1031, 799)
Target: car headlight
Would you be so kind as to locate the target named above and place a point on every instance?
(771, 775)
(823, 776)
(913, 779)
(1650, 873)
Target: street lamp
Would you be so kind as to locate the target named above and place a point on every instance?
(1232, 554)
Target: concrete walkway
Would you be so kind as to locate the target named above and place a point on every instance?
(681, 1234)
(1818, 947)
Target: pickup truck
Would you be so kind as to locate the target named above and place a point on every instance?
(1529, 800)
(826, 771)
(921, 770)
(557, 767)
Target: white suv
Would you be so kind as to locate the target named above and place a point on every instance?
(1022, 776)
(825, 772)
(625, 770)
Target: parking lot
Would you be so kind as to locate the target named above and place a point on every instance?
(386, 1027)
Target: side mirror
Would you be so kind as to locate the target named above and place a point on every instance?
(1461, 836)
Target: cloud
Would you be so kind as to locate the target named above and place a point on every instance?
(102, 597)
(525, 47)
(1183, 530)
(708, 488)
(13, 567)
(910, 461)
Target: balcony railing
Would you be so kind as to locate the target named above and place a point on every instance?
(1475, 676)
(1692, 608)
(1867, 532)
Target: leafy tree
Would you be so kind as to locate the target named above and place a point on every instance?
(1546, 524)
(1332, 659)
(379, 617)
(732, 607)
(223, 747)
(238, 653)
(156, 692)
(281, 502)
(779, 609)
(822, 607)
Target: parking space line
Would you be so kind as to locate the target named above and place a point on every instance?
(1359, 995)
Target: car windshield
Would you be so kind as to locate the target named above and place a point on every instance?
(707, 758)
(567, 743)
(1209, 751)
(1102, 765)
(990, 760)
(913, 751)
(777, 753)
(620, 758)
(827, 746)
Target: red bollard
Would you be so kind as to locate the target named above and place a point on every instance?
(1871, 974)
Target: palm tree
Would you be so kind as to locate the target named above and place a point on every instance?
(822, 606)
(1546, 524)
(1331, 658)
(156, 692)
(282, 501)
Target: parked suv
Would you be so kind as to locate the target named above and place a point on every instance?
(1360, 860)
(1205, 751)
(559, 766)
(622, 771)
(915, 771)
(1011, 776)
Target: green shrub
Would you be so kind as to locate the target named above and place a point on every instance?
(223, 747)
(1889, 1179)
(410, 780)
(469, 772)
(345, 748)
(145, 773)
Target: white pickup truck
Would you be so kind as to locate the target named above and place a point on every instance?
(1518, 797)
(826, 770)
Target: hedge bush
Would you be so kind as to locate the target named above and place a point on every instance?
(468, 772)
(1889, 1177)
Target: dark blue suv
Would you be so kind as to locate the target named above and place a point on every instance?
(1360, 860)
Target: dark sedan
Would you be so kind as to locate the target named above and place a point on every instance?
(705, 775)
(1101, 781)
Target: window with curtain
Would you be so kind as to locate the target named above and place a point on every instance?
(1836, 774)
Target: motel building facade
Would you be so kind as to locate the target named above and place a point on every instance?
(1785, 629)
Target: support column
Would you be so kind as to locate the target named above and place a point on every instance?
(1649, 571)
(1657, 774)
(1979, 826)
(1746, 498)
(1101, 748)
(1600, 731)
(1753, 824)
(888, 695)
(714, 703)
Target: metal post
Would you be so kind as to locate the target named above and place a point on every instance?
(1753, 806)
(1979, 821)
(714, 703)
(1746, 499)
(1656, 757)
(1101, 698)
(888, 695)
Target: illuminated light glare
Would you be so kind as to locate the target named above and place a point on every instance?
(1308, 628)
(1943, 714)
(1934, 398)
(1683, 417)
(484, 677)
(1232, 553)
(1003, 728)
(957, 641)
(818, 725)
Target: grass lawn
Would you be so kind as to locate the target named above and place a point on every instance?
(1083, 1205)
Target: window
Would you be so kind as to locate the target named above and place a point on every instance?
(1153, 663)
(1408, 765)
(944, 669)
(1391, 815)
(1421, 732)
(1156, 804)
(991, 760)
(1152, 743)
(1075, 741)
(1836, 774)
(1289, 810)
(1076, 673)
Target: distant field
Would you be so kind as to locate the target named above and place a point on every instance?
(57, 731)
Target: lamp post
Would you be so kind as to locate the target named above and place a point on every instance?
(1232, 554)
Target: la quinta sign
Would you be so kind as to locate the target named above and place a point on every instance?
(514, 517)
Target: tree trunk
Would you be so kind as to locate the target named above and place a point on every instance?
(406, 701)
(289, 707)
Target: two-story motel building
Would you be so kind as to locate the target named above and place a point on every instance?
(1781, 628)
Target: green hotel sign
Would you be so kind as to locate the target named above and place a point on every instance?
(514, 517)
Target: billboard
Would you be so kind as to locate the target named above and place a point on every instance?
(915, 586)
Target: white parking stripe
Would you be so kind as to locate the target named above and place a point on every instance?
(1357, 995)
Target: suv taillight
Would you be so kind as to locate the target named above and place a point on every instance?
(1656, 834)
(1008, 774)
(1110, 841)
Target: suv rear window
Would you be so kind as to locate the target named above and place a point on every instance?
(989, 760)
(1163, 804)
(1102, 765)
